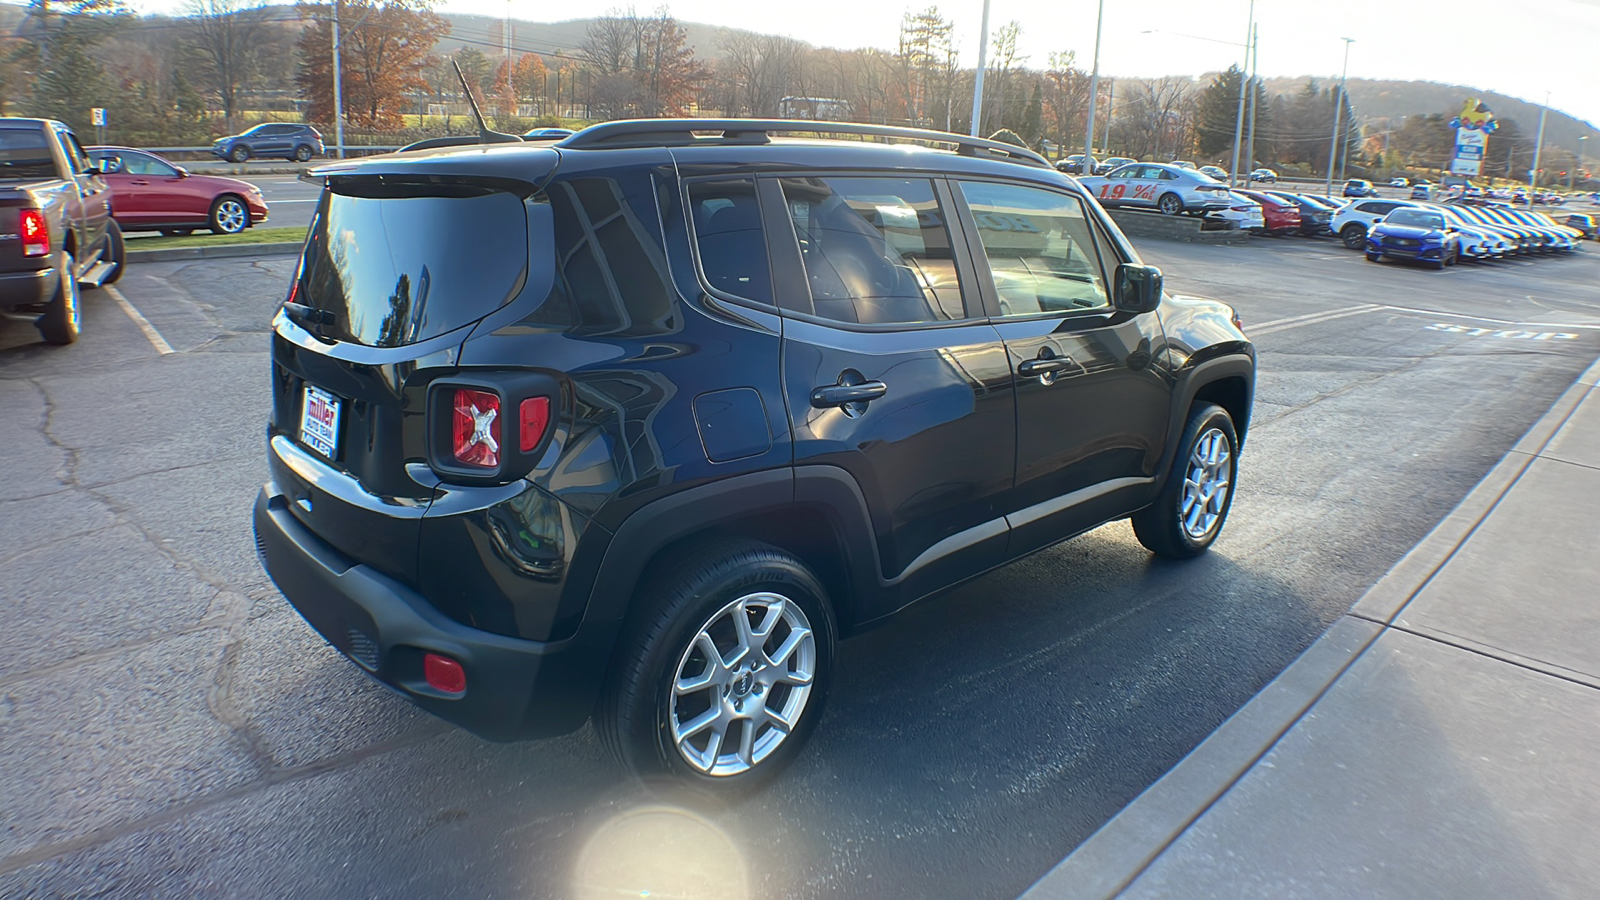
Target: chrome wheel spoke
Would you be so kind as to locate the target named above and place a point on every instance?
(698, 724)
(747, 742)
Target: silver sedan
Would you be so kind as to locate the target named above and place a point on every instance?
(1169, 189)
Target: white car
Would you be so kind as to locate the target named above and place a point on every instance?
(1244, 212)
(1399, 182)
(1169, 189)
(1477, 240)
(1353, 220)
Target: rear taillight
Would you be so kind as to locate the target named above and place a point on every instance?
(475, 429)
(533, 417)
(35, 233)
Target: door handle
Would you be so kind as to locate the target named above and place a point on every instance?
(1043, 366)
(139, 183)
(842, 394)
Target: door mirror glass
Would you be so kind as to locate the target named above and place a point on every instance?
(109, 165)
(182, 172)
(1138, 288)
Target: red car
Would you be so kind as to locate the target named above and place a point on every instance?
(1282, 217)
(150, 194)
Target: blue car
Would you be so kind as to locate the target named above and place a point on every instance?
(1415, 233)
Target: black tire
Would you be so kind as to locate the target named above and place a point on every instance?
(1374, 257)
(239, 153)
(176, 232)
(1160, 527)
(229, 215)
(1354, 236)
(634, 716)
(62, 321)
(302, 153)
(116, 252)
(1170, 204)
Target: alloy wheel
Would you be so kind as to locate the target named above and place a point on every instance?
(1206, 484)
(742, 685)
(231, 216)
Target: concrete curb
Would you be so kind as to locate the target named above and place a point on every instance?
(1137, 223)
(224, 251)
(1117, 854)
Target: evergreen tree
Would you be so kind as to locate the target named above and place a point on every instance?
(1033, 122)
(189, 122)
(1219, 113)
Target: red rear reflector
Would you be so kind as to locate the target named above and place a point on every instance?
(475, 428)
(35, 233)
(444, 674)
(534, 416)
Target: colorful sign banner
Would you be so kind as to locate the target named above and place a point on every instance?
(1473, 128)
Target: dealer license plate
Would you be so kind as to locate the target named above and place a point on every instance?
(319, 422)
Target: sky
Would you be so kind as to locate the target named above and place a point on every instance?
(1524, 48)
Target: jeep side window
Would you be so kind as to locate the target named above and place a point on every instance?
(729, 238)
(1040, 249)
(876, 250)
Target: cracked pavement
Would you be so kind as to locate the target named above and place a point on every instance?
(169, 727)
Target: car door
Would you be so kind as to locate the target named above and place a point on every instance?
(1116, 190)
(94, 196)
(891, 372)
(1093, 406)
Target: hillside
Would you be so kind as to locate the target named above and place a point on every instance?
(1378, 99)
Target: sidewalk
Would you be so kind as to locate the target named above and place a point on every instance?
(1442, 739)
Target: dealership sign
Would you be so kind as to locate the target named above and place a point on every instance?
(1473, 128)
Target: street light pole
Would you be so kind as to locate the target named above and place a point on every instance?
(1255, 64)
(1572, 173)
(1094, 93)
(1338, 111)
(338, 85)
(1538, 148)
(983, 61)
(1238, 124)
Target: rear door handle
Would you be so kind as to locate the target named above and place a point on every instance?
(840, 394)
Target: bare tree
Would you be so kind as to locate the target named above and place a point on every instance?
(1159, 116)
(228, 37)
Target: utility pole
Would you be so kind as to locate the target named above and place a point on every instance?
(1572, 172)
(1338, 110)
(1255, 59)
(1238, 122)
(1094, 92)
(1538, 150)
(338, 85)
(983, 62)
(1111, 110)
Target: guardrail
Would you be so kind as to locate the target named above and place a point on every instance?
(349, 150)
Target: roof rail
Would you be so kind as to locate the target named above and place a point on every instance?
(681, 132)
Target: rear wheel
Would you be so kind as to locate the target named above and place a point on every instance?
(1189, 512)
(63, 315)
(1354, 236)
(239, 154)
(302, 153)
(721, 677)
(229, 215)
(1170, 204)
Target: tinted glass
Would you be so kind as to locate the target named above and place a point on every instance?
(25, 154)
(140, 164)
(728, 234)
(611, 271)
(876, 250)
(1040, 248)
(1415, 218)
(413, 263)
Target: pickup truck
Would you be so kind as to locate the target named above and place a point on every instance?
(56, 231)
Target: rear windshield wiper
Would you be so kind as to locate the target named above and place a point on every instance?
(308, 317)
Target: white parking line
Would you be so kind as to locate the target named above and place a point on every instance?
(1277, 325)
(150, 332)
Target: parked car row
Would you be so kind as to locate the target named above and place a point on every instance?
(1440, 234)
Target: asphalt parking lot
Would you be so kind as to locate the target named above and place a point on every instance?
(168, 727)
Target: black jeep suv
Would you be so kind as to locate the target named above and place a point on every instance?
(635, 426)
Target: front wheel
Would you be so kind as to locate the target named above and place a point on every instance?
(229, 216)
(116, 252)
(1188, 514)
(721, 677)
(1170, 204)
(1354, 236)
(62, 321)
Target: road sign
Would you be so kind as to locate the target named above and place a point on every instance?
(99, 116)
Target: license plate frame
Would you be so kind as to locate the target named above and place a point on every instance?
(320, 413)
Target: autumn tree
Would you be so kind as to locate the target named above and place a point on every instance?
(642, 66)
(925, 66)
(1066, 99)
(384, 46)
(228, 38)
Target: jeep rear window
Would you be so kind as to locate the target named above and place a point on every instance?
(24, 154)
(403, 263)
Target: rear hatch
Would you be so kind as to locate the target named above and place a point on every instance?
(397, 269)
(26, 164)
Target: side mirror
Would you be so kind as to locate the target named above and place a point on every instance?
(109, 165)
(1138, 288)
(182, 172)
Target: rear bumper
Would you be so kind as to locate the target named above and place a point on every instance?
(515, 688)
(27, 288)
